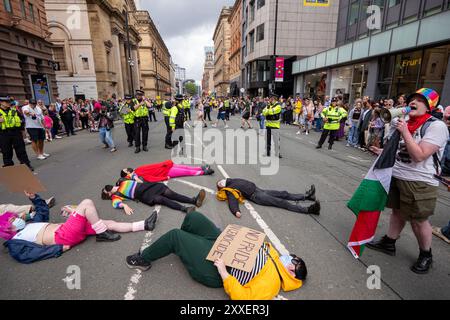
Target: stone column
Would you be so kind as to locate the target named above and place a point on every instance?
(125, 67)
(116, 66)
(136, 70)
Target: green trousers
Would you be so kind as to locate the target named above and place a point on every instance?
(192, 244)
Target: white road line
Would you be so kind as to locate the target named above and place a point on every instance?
(196, 186)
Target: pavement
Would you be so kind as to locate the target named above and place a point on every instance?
(79, 167)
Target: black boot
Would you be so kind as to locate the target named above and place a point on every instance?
(169, 147)
(138, 149)
(200, 198)
(424, 263)
(137, 262)
(330, 147)
(130, 144)
(385, 245)
(319, 147)
(314, 209)
(150, 222)
(311, 194)
(145, 149)
(108, 236)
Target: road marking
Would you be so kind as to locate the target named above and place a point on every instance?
(358, 159)
(196, 186)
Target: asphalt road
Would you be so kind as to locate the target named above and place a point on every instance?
(79, 167)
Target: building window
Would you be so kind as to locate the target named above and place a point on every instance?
(260, 33)
(7, 5)
(252, 41)
(85, 63)
(393, 3)
(59, 56)
(252, 11)
(23, 8)
(354, 13)
(261, 3)
(32, 12)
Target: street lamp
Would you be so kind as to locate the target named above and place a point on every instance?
(273, 87)
(130, 60)
(155, 58)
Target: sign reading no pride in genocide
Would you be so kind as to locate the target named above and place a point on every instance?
(238, 247)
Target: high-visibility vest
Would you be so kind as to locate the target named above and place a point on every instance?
(165, 110)
(128, 117)
(142, 111)
(334, 116)
(273, 116)
(186, 104)
(11, 119)
(227, 104)
(173, 115)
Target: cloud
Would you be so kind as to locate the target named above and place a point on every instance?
(187, 26)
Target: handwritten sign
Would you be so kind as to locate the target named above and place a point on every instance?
(19, 179)
(238, 247)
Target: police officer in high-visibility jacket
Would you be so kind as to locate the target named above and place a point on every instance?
(141, 117)
(167, 106)
(272, 113)
(332, 117)
(127, 114)
(176, 119)
(187, 107)
(11, 135)
(226, 105)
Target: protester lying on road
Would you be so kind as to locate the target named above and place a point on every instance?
(158, 172)
(193, 242)
(41, 240)
(235, 191)
(25, 212)
(151, 194)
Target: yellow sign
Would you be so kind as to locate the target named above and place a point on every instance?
(316, 3)
(411, 62)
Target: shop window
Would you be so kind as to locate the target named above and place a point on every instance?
(7, 5)
(434, 68)
(359, 83)
(407, 68)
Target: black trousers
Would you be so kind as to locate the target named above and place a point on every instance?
(84, 122)
(141, 130)
(227, 114)
(168, 199)
(277, 145)
(129, 129)
(324, 136)
(187, 114)
(68, 126)
(152, 115)
(13, 140)
(278, 199)
(208, 113)
(169, 131)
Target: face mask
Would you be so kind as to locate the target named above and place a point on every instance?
(222, 183)
(19, 224)
(286, 260)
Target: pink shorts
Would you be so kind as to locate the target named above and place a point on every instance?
(74, 231)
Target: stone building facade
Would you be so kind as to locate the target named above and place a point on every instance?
(154, 56)
(222, 45)
(25, 52)
(208, 71)
(235, 51)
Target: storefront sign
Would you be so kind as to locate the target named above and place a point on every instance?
(279, 70)
(316, 3)
(238, 247)
(410, 62)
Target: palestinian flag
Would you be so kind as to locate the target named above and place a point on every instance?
(371, 197)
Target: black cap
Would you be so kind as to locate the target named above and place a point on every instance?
(128, 97)
(169, 105)
(5, 99)
(32, 101)
(168, 94)
(140, 92)
(273, 95)
(179, 97)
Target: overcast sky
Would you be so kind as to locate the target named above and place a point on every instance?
(187, 26)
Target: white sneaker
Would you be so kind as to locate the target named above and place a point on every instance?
(298, 133)
(41, 157)
(58, 137)
(27, 141)
(46, 155)
(226, 127)
(348, 145)
(307, 133)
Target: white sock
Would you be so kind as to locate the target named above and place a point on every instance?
(99, 227)
(138, 226)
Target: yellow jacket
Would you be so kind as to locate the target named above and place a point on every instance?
(222, 195)
(267, 283)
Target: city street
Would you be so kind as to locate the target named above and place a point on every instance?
(78, 169)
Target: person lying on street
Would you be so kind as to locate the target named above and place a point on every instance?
(159, 172)
(192, 244)
(42, 240)
(25, 212)
(235, 191)
(149, 193)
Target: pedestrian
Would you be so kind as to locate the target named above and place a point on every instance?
(364, 122)
(208, 106)
(246, 116)
(317, 117)
(414, 189)
(34, 123)
(187, 108)
(166, 112)
(106, 125)
(194, 241)
(11, 138)
(221, 115)
(127, 114)
(152, 111)
(332, 117)
(272, 113)
(48, 124)
(56, 121)
(201, 114)
(353, 121)
(309, 116)
(84, 117)
(376, 129)
(67, 115)
(141, 128)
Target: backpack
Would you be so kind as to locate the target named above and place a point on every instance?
(179, 120)
(441, 165)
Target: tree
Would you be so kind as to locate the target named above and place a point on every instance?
(191, 88)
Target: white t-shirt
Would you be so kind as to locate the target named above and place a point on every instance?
(29, 122)
(30, 232)
(408, 170)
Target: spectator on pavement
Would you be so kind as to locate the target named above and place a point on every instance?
(34, 123)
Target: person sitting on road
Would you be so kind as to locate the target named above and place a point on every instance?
(235, 191)
(41, 240)
(149, 193)
(193, 242)
(159, 172)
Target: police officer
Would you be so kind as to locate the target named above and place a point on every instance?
(272, 113)
(11, 135)
(127, 114)
(175, 119)
(167, 106)
(332, 117)
(227, 109)
(141, 115)
(187, 107)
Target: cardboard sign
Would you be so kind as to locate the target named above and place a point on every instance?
(19, 179)
(238, 247)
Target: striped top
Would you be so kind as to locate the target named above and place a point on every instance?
(245, 277)
(126, 190)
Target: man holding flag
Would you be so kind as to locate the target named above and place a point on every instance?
(402, 179)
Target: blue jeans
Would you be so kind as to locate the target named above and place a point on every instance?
(262, 122)
(319, 124)
(106, 137)
(353, 135)
(446, 231)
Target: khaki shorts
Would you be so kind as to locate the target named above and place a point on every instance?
(416, 201)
